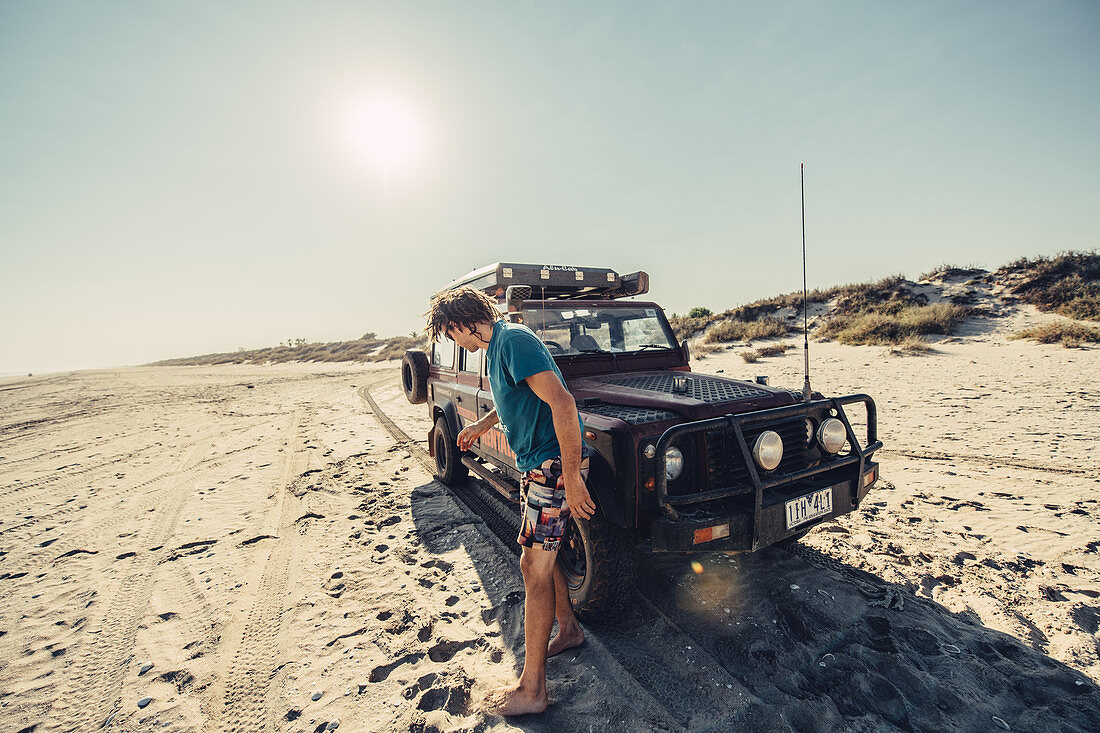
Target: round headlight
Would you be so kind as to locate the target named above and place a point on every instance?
(831, 435)
(674, 463)
(768, 450)
(649, 451)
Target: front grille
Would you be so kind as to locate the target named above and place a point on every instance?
(629, 414)
(704, 389)
(726, 467)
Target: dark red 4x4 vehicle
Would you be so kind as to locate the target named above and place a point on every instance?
(681, 461)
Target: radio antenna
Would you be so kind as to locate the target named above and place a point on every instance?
(805, 303)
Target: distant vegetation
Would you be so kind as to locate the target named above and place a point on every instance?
(911, 346)
(773, 349)
(364, 349)
(891, 311)
(1068, 284)
(893, 326)
(700, 351)
(737, 330)
(1068, 333)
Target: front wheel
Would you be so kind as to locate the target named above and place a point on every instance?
(449, 467)
(599, 566)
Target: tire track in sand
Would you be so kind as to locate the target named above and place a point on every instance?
(253, 658)
(90, 697)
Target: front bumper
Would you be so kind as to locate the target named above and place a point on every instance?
(743, 531)
(698, 521)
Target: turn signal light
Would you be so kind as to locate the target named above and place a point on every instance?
(650, 484)
(869, 477)
(707, 534)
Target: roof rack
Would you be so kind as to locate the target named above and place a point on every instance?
(554, 282)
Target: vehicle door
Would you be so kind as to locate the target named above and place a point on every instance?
(442, 371)
(467, 385)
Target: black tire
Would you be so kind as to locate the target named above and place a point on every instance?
(600, 566)
(449, 467)
(414, 376)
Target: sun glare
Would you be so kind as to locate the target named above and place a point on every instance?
(387, 134)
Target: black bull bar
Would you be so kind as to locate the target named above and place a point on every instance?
(857, 457)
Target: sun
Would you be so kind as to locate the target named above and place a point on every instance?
(387, 134)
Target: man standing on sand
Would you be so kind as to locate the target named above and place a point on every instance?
(540, 421)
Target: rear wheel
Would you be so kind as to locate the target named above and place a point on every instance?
(599, 567)
(449, 467)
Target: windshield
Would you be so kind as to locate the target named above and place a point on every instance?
(569, 329)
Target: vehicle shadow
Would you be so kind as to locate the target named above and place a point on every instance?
(782, 639)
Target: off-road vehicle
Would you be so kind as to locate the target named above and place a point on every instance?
(681, 461)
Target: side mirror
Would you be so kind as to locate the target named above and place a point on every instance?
(685, 351)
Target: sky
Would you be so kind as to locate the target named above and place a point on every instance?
(186, 177)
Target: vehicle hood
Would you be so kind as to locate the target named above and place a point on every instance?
(703, 396)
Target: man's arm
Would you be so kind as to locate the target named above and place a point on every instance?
(475, 430)
(567, 427)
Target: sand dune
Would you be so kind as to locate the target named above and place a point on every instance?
(250, 548)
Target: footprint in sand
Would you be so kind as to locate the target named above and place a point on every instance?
(446, 649)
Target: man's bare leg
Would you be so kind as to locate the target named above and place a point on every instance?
(569, 631)
(529, 694)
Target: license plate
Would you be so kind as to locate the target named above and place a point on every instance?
(810, 506)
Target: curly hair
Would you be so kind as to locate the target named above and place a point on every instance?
(465, 307)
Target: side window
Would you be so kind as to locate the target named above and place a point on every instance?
(443, 353)
(471, 361)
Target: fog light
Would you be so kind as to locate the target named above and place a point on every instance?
(768, 450)
(831, 435)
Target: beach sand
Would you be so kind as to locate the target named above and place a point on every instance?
(211, 548)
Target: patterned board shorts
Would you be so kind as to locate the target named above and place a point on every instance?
(543, 509)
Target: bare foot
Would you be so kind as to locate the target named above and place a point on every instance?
(565, 640)
(514, 701)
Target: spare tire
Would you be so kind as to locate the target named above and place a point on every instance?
(414, 376)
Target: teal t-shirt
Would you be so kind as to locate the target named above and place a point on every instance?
(515, 353)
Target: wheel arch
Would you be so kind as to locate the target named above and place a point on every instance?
(602, 487)
(444, 408)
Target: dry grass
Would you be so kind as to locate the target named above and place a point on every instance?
(750, 356)
(911, 346)
(1068, 284)
(738, 330)
(951, 272)
(773, 349)
(1068, 333)
(894, 326)
(700, 351)
(685, 326)
(361, 350)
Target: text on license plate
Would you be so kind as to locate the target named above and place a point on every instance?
(810, 506)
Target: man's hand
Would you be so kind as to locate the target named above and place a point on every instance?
(470, 433)
(577, 497)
